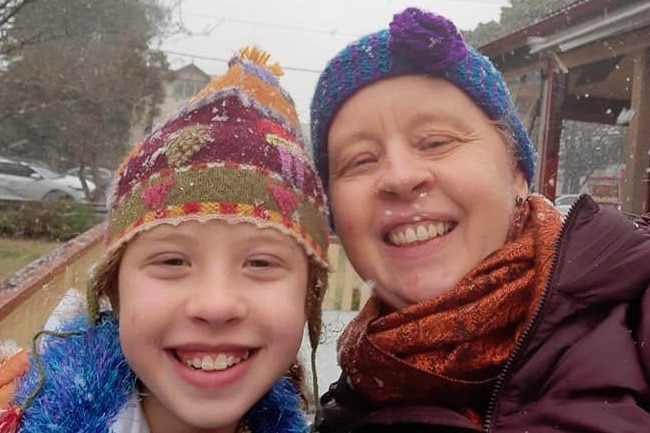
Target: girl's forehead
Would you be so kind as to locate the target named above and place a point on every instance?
(211, 229)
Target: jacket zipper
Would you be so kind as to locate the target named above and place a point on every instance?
(523, 340)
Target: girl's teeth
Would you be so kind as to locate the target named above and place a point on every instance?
(207, 363)
(211, 363)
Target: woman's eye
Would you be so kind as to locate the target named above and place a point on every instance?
(435, 142)
(363, 160)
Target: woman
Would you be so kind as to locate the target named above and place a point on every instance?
(489, 312)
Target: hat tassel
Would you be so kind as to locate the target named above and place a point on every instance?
(260, 57)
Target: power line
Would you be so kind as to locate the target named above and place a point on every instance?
(222, 20)
(489, 2)
(223, 60)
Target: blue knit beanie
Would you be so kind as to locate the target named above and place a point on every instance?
(416, 42)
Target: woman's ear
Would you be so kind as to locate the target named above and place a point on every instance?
(519, 183)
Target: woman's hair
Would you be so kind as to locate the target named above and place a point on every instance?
(509, 139)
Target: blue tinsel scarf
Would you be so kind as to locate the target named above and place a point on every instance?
(87, 381)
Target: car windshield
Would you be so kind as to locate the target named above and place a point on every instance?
(46, 172)
(569, 199)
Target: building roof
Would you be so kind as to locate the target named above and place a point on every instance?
(603, 12)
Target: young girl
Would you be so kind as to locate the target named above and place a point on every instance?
(216, 258)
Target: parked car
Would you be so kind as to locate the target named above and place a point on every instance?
(105, 175)
(564, 202)
(35, 181)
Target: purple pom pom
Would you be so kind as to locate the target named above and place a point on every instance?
(426, 39)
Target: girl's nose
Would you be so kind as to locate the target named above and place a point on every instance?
(216, 301)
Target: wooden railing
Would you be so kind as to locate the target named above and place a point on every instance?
(345, 289)
(29, 297)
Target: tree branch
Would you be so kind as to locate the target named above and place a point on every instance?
(11, 11)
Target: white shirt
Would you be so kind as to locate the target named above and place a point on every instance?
(131, 418)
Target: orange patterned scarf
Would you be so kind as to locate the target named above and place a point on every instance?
(449, 350)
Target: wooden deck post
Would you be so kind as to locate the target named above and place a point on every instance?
(636, 185)
(553, 94)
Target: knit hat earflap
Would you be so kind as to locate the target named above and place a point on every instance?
(416, 42)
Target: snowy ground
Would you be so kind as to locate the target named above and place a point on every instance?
(328, 370)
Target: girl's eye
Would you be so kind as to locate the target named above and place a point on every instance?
(260, 263)
(169, 266)
(265, 267)
(170, 260)
(174, 261)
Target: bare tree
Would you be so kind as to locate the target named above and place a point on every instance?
(8, 11)
(82, 74)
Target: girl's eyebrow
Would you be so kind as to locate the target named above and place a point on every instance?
(167, 235)
(270, 237)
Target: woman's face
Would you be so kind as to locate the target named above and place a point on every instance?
(422, 186)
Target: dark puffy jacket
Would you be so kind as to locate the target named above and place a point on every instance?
(582, 366)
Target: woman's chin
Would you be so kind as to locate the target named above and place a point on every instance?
(407, 295)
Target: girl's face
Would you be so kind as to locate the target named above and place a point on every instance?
(211, 315)
(422, 186)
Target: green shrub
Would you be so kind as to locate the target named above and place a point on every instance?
(58, 220)
(9, 221)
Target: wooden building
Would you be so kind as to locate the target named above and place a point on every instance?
(588, 62)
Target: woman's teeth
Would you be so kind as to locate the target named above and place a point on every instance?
(214, 362)
(406, 235)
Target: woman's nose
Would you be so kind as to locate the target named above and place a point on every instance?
(406, 176)
(216, 301)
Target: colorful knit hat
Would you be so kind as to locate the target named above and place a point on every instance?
(233, 152)
(416, 42)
